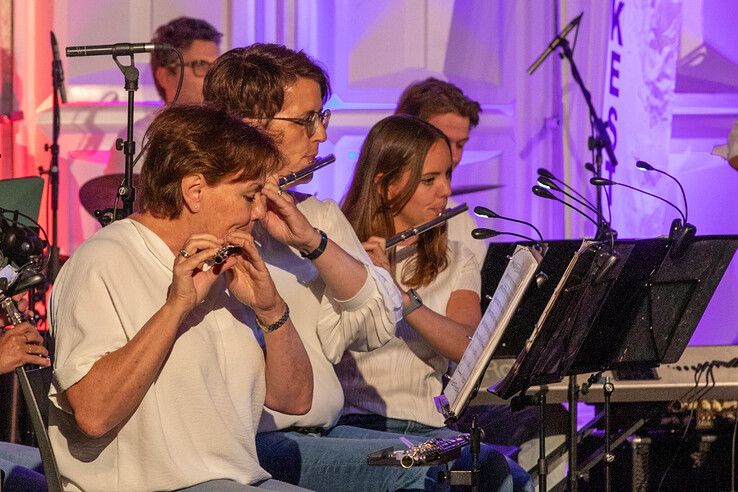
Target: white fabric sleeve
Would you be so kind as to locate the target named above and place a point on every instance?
(85, 326)
(367, 320)
(468, 277)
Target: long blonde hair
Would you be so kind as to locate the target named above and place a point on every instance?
(396, 144)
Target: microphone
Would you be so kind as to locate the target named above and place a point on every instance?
(548, 174)
(549, 184)
(481, 211)
(645, 166)
(609, 182)
(484, 233)
(57, 71)
(555, 43)
(681, 233)
(603, 228)
(116, 49)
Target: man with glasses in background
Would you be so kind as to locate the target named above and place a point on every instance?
(199, 42)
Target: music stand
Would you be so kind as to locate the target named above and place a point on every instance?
(518, 275)
(464, 384)
(566, 319)
(562, 327)
(652, 312)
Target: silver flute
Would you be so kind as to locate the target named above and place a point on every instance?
(435, 450)
(221, 256)
(285, 182)
(435, 222)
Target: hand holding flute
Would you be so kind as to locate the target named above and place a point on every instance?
(376, 247)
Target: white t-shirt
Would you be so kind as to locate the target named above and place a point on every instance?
(328, 326)
(460, 229)
(400, 379)
(198, 420)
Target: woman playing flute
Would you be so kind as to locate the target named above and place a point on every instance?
(402, 180)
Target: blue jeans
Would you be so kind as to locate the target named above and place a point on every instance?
(22, 468)
(231, 486)
(336, 460)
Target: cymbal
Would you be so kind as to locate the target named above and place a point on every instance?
(466, 189)
(99, 193)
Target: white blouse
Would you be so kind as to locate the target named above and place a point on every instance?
(400, 379)
(328, 326)
(198, 420)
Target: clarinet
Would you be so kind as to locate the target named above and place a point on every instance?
(435, 222)
(285, 182)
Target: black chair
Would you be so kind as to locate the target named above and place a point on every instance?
(34, 384)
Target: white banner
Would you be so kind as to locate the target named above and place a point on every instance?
(637, 106)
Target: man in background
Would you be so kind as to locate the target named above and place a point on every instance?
(199, 42)
(445, 106)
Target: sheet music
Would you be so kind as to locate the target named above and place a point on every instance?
(515, 280)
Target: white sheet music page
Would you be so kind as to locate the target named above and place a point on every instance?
(515, 280)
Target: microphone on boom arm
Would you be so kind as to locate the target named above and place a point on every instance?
(480, 211)
(484, 233)
(681, 232)
(117, 49)
(607, 259)
(545, 173)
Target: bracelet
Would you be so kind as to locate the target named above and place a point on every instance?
(276, 324)
(314, 254)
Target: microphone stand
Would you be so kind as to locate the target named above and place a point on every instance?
(53, 171)
(126, 192)
(600, 139)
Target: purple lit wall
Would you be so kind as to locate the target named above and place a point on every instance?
(373, 49)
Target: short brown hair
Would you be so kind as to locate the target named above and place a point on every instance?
(179, 33)
(252, 81)
(188, 139)
(432, 97)
(396, 144)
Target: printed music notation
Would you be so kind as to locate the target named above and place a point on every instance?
(515, 280)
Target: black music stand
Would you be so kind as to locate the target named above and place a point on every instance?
(519, 273)
(563, 325)
(554, 263)
(650, 316)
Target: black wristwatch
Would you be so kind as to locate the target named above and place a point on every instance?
(314, 254)
(415, 303)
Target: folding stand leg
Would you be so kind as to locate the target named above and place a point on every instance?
(542, 462)
(572, 436)
(467, 477)
(607, 390)
(539, 400)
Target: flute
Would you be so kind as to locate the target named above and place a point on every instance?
(285, 182)
(221, 256)
(435, 222)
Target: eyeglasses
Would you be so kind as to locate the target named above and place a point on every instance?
(199, 67)
(310, 122)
